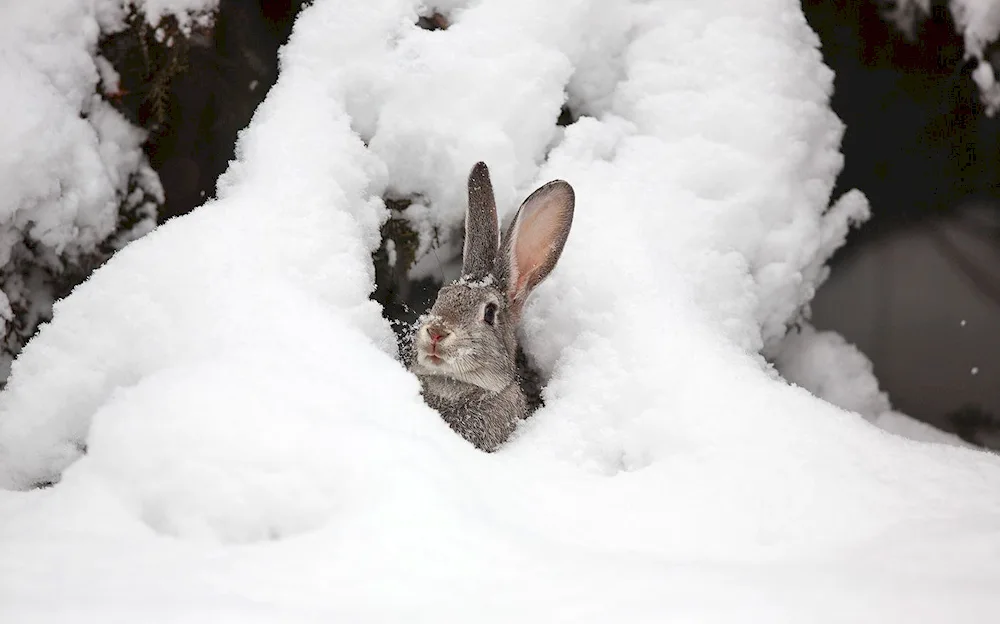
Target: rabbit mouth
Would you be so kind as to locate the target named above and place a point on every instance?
(432, 355)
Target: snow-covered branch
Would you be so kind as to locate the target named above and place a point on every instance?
(978, 21)
(76, 184)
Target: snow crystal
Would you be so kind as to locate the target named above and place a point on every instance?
(232, 383)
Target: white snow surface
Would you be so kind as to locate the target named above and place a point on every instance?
(256, 453)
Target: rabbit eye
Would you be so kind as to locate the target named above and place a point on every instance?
(490, 313)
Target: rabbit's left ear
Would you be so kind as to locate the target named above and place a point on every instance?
(481, 229)
(535, 240)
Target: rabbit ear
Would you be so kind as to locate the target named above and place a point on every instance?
(481, 229)
(535, 240)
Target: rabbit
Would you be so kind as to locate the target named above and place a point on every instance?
(465, 347)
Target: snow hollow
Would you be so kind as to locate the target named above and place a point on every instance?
(232, 437)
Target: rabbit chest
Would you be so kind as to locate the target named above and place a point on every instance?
(484, 418)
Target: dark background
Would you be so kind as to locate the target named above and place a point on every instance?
(917, 288)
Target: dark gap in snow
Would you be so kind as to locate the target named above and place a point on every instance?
(195, 92)
(566, 116)
(434, 21)
(532, 382)
(403, 299)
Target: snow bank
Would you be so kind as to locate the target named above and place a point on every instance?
(233, 384)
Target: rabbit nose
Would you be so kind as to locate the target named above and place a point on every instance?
(436, 333)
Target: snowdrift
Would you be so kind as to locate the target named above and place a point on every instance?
(255, 452)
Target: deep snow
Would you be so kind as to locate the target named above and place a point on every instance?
(256, 453)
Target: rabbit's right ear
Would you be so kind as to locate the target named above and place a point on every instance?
(535, 241)
(481, 229)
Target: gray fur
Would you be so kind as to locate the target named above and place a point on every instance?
(470, 375)
(481, 229)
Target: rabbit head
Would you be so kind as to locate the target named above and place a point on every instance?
(469, 335)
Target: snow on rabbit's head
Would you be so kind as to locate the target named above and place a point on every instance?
(469, 334)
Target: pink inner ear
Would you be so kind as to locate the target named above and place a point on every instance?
(536, 233)
(536, 239)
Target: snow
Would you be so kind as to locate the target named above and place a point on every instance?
(61, 183)
(110, 78)
(187, 13)
(255, 452)
(979, 23)
(68, 158)
(832, 369)
(905, 14)
(901, 424)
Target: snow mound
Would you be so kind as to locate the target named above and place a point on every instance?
(232, 383)
(236, 477)
(832, 369)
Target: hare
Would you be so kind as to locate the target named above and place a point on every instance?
(465, 347)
